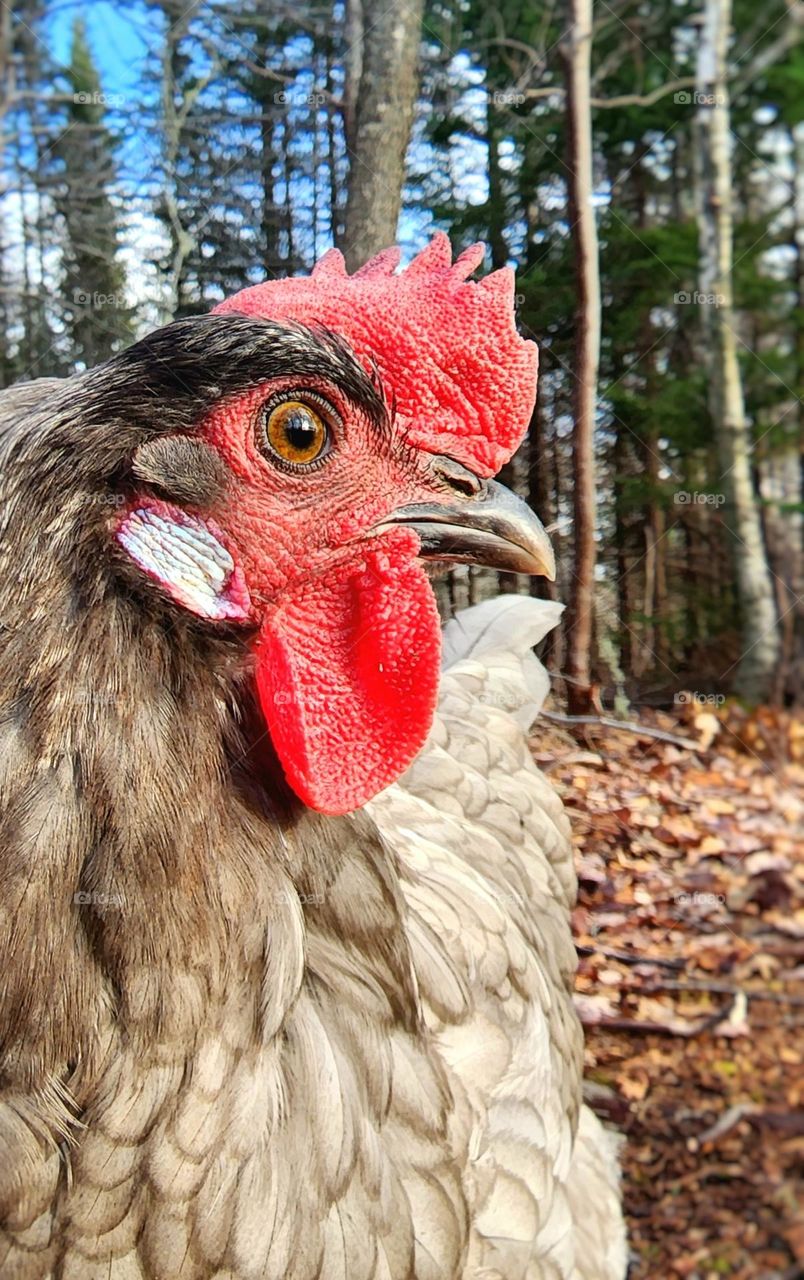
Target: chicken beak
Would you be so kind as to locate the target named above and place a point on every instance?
(494, 528)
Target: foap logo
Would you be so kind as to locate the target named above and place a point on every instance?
(506, 98)
(98, 900)
(98, 99)
(83, 298)
(108, 499)
(501, 701)
(689, 699)
(294, 98)
(287, 897)
(510, 900)
(694, 98)
(698, 299)
(709, 900)
(683, 498)
(85, 696)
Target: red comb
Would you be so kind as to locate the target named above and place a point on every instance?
(462, 380)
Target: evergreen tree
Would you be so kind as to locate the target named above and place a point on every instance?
(99, 319)
(31, 324)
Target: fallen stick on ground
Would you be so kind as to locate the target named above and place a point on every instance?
(629, 957)
(628, 726)
(591, 1017)
(724, 1124)
(717, 988)
(789, 1121)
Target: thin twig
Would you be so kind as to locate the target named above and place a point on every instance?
(787, 1120)
(645, 99)
(728, 1121)
(716, 988)
(653, 1028)
(622, 100)
(627, 725)
(627, 957)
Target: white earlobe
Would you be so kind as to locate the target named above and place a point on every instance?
(187, 557)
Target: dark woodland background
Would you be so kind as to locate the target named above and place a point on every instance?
(640, 161)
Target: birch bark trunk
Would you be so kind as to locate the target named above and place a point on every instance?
(757, 668)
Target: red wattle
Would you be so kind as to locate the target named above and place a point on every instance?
(347, 675)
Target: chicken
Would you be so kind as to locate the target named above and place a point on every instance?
(287, 969)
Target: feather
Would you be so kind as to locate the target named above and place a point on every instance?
(486, 862)
(78, 1267)
(214, 1208)
(511, 625)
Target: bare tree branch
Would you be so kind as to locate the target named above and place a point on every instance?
(623, 100)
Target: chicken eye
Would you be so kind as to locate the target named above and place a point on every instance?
(295, 433)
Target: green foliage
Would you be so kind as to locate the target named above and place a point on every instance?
(98, 316)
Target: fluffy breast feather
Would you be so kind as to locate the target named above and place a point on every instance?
(487, 872)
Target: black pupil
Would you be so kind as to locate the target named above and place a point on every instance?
(300, 430)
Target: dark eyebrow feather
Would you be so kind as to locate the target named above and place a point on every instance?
(169, 380)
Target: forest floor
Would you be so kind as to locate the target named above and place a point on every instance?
(690, 928)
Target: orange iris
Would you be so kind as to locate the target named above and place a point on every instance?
(295, 432)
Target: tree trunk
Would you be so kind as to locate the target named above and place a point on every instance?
(796, 463)
(621, 542)
(497, 213)
(333, 166)
(577, 56)
(7, 70)
(656, 600)
(182, 242)
(506, 583)
(542, 444)
(756, 668)
(655, 609)
(382, 83)
(264, 93)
